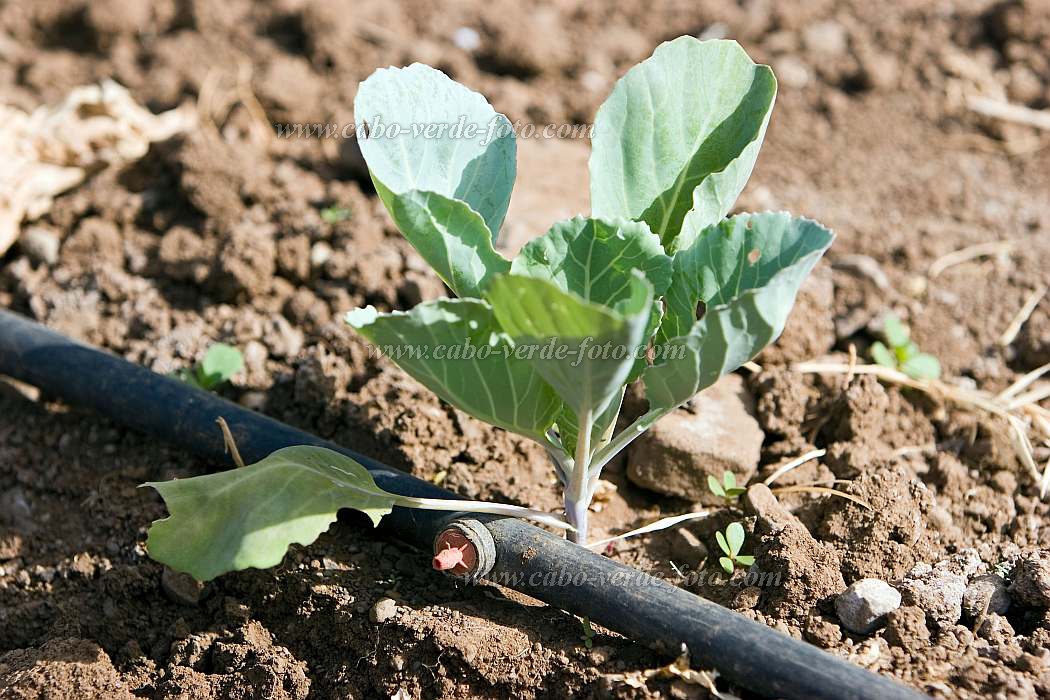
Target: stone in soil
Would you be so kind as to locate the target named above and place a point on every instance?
(383, 610)
(1031, 579)
(714, 433)
(986, 594)
(686, 548)
(181, 588)
(862, 606)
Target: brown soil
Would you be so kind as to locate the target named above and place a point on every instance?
(218, 236)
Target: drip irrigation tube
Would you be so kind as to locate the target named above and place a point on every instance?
(521, 556)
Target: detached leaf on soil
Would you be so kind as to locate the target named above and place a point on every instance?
(290, 497)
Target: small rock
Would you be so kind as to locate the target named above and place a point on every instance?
(467, 38)
(863, 605)
(828, 37)
(1031, 579)
(383, 610)
(792, 72)
(320, 253)
(986, 594)
(760, 502)
(717, 432)
(41, 244)
(181, 588)
(687, 549)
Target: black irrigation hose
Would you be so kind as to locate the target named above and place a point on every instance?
(618, 597)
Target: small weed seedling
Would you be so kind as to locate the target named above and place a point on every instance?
(903, 353)
(730, 543)
(218, 365)
(544, 344)
(727, 488)
(588, 632)
(335, 214)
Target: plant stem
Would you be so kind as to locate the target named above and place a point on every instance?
(604, 455)
(455, 505)
(578, 492)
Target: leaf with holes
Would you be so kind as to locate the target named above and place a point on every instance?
(747, 271)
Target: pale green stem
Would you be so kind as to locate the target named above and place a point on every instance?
(605, 454)
(452, 504)
(578, 492)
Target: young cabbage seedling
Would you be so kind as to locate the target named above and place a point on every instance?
(730, 543)
(727, 488)
(218, 365)
(903, 353)
(544, 344)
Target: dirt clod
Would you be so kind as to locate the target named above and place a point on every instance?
(938, 589)
(1030, 584)
(63, 667)
(809, 569)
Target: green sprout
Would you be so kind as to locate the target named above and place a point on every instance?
(220, 362)
(903, 353)
(730, 543)
(588, 632)
(727, 488)
(335, 214)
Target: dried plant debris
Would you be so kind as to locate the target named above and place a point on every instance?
(56, 147)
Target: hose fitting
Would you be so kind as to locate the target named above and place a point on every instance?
(465, 549)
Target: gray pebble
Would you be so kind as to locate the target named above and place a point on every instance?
(986, 594)
(863, 605)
